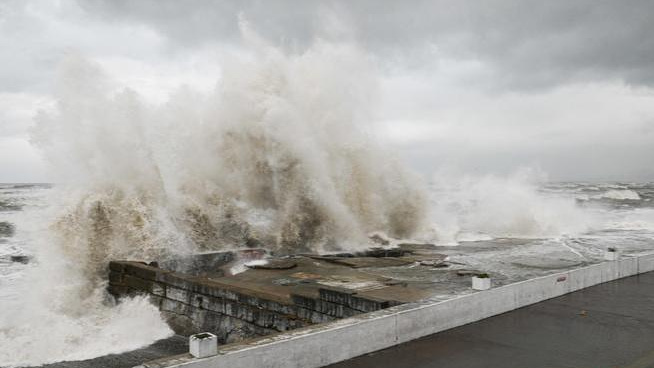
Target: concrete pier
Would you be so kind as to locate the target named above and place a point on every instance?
(274, 295)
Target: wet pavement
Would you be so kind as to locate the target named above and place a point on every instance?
(608, 325)
(162, 348)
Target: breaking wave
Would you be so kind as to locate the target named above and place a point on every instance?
(483, 208)
(281, 155)
(8, 206)
(619, 194)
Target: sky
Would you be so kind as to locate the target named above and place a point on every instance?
(479, 87)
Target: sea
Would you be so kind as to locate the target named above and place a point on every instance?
(580, 216)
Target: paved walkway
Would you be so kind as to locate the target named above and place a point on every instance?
(608, 325)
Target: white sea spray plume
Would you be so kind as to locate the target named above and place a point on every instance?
(281, 156)
(468, 208)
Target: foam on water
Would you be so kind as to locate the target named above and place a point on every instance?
(479, 208)
(619, 194)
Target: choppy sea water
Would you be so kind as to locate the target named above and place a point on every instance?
(576, 218)
(17, 201)
(594, 214)
(45, 315)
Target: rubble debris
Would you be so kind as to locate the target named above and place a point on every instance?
(363, 262)
(20, 259)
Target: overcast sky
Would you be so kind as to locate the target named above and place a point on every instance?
(472, 86)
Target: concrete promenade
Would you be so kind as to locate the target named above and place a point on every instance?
(607, 325)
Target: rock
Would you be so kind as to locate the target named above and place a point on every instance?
(361, 262)
(285, 282)
(547, 263)
(468, 273)
(372, 252)
(6, 229)
(20, 259)
(382, 253)
(396, 282)
(379, 239)
(438, 263)
(417, 246)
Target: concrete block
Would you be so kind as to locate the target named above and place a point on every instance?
(203, 301)
(481, 283)
(169, 305)
(213, 304)
(203, 345)
(178, 294)
(158, 289)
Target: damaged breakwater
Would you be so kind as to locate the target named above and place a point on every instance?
(203, 293)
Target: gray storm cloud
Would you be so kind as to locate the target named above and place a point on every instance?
(483, 86)
(529, 43)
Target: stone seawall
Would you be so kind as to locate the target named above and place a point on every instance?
(233, 311)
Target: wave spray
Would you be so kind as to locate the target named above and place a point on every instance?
(280, 155)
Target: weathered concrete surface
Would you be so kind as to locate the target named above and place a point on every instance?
(608, 325)
(280, 295)
(161, 348)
